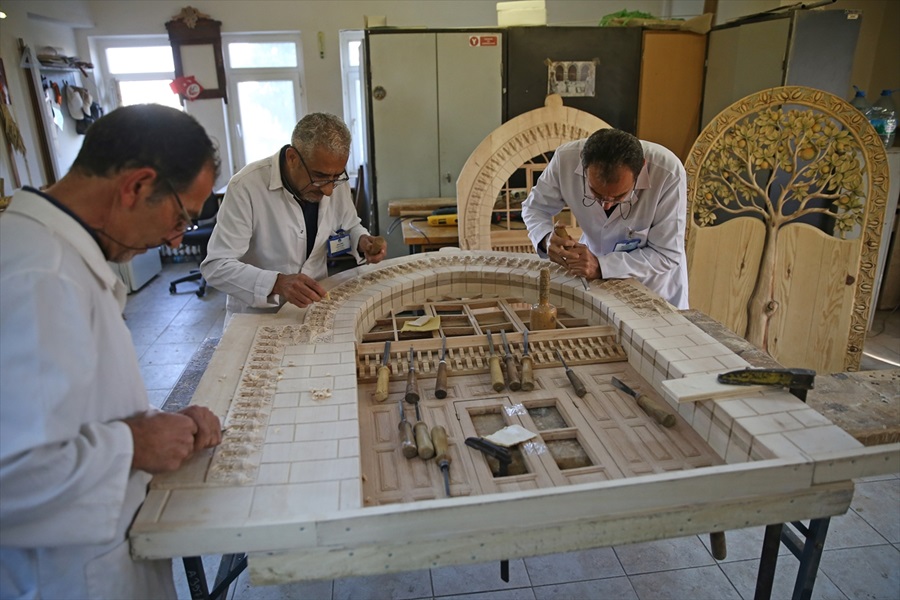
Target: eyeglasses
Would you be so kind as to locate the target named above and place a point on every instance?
(622, 199)
(185, 222)
(320, 183)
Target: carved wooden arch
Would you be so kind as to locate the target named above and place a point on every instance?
(799, 292)
(504, 151)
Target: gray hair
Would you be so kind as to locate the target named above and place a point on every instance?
(321, 130)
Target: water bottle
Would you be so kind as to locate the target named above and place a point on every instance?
(860, 103)
(884, 118)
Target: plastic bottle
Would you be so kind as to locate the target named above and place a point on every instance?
(860, 103)
(884, 118)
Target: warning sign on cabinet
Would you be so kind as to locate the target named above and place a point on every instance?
(483, 40)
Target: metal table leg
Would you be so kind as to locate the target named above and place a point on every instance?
(230, 567)
(808, 550)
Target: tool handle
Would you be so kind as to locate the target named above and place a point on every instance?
(717, 543)
(381, 388)
(423, 441)
(661, 416)
(439, 439)
(512, 374)
(496, 374)
(412, 387)
(527, 374)
(440, 386)
(576, 382)
(407, 441)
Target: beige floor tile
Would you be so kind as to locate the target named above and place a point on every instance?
(742, 575)
(619, 588)
(682, 584)
(872, 572)
(393, 586)
(573, 566)
(485, 577)
(677, 553)
(878, 503)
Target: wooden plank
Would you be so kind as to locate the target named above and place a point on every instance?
(722, 265)
(417, 206)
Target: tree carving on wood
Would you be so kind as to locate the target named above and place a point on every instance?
(783, 156)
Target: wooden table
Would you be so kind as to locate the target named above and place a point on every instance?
(417, 207)
(422, 237)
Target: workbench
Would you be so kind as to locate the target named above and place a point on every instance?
(286, 485)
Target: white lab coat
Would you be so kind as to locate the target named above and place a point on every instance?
(260, 232)
(656, 218)
(69, 375)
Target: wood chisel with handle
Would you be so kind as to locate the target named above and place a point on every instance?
(407, 441)
(496, 372)
(384, 374)
(561, 231)
(423, 440)
(440, 386)
(576, 382)
(527, 368)
(661, 416)
(512, 374)
(442, 456)
(412, 384)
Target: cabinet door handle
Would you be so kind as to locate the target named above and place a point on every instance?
(447, 177)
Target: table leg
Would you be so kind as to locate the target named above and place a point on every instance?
(767, 562)
(230, 567)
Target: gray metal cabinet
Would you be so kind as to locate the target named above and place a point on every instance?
(433, 96)
(813, 48)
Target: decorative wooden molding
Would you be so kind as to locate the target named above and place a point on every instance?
(504, 151)
(770, 157)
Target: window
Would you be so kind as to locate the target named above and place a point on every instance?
(264, 92)
(140, 69)
(354, 107)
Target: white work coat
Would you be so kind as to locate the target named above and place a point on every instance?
(260, 232)
(656, 219)
(69, 375)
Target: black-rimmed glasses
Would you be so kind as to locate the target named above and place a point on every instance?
(320, 183)
(627, 198)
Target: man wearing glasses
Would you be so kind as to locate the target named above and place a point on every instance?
(630, 199)
(283, 217)
(78, 441)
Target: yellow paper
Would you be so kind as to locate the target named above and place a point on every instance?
(425, 323)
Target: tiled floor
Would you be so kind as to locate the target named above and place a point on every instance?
(861, 557)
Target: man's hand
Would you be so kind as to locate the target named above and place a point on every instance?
(576, 258)
(374, 248)
(209, 428)
(300, 290)
(162, 441)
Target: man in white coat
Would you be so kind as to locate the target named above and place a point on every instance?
(630, 199)
(283, 217)
(78, 440)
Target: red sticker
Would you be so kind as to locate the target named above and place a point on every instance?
(488, 40)
(473, 40)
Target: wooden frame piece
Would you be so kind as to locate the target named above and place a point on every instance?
(207, 33)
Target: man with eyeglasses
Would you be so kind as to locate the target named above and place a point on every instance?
(78, 440)
(630, 199)
(283, 217)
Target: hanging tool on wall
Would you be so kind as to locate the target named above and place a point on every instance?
(412, 384)
(574, 379)
(439, 437)
(649, 406)
(497, 381)
(384, 375)
(798, 381)
(423, 440)
(407, 441)
(515, 384)
(527, 367)
(440, 386)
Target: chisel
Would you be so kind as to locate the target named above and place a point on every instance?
(496, 372)
(515, 384)
(439, 437)
(561, 231)
(423, 440)
(527, 368)
(412, 385)
(576, 382)
(407, 441)
(664, 418)
(440, 386)
(384, 374)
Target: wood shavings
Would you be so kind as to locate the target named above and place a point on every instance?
(320, 393)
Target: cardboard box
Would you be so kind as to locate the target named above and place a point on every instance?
(522, 12)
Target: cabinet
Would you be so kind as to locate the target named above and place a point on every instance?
(801, 47)
(432, 96)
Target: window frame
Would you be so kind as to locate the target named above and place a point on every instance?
(354, 105)
(109, 92)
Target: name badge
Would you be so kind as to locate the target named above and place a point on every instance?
(627, 245)
(338, 243)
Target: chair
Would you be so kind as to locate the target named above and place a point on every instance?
(199, 236)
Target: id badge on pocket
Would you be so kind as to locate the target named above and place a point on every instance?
(338, 243)
(627, 245)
